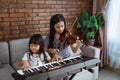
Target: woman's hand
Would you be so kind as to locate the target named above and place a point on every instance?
(24, 64)
(57, 57)
(53, 51)
(76, 46)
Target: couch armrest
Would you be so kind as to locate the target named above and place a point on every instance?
(91, 51)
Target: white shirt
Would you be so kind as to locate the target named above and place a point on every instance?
(35, 59)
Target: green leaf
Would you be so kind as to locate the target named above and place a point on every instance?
(89, 24)
(101, 24)
(90, 35)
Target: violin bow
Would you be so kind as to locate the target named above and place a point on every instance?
(73, 24)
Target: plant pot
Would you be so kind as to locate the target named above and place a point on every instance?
(91, 42)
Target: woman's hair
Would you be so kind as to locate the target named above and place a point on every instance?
(54, 20)
(37, 39)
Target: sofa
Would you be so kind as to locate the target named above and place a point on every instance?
(12, 51)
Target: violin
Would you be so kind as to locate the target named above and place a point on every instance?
(68, 36)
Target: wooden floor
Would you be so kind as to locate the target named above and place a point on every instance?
(104, 74)
(109, 74)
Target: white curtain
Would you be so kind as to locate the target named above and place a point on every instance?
(113, 32)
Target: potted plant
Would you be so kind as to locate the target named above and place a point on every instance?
(89, 24)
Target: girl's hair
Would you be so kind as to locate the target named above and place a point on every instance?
(37, 39)
(55, 19)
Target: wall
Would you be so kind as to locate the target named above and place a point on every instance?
(22, 18)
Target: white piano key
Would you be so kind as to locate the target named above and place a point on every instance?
(31, 70)
(20, 72)
(37, 68)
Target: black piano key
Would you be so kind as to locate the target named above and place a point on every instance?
(73, 60)
(85, 58)
(43, 69)
(67, 61)
(49, 66)
(62, 63)
(78, 58)
(70, 60)
(40, 69)
(33, 70)
(54, 64)
(36, 69)
(57, 64)
(25, 72)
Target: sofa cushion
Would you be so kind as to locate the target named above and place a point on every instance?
(4, 53)
(15, 65)
(5, 72)
(17, 49)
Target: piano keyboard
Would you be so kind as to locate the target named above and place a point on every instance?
(51, 65)
(57, 69)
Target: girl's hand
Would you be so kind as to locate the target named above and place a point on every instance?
(24, 64)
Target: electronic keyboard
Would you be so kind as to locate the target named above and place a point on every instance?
(57, 69)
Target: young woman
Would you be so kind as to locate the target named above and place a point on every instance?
(58, 49)
(36, 55)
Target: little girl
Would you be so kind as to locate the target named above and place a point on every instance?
(36, 55)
